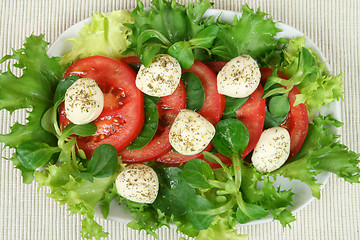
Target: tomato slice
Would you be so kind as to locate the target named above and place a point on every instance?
(122, 118)
(212, 109)
(252, 113)
(168, 108)
(297, 121)
(214, 104)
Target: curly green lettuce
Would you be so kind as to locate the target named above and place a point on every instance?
(314, 93)
(104, 35)
(251, 34)
(81, 196)
(33, 90)
(321, 153)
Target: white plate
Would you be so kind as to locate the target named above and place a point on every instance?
(303, 195)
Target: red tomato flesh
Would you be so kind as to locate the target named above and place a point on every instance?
(168, 108)
(252, 114)
(212, 109)
(122, 118)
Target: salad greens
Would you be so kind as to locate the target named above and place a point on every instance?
(103, 30)
(203, 202)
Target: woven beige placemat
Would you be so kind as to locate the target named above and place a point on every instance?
(334, 26)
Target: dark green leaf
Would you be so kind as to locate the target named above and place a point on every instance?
(277, 110)
(233, 104)
(196, 172)
(231, 137)
(152, 98)
(197, 212)
(104, 161)
(250, 212)
(174, 191)
(195, 95)
(150, 125)
(182, 51)
(148, 52)
(148, 34)
(34, 154)
(279, 105)
(206, 37)
(83, 130)
(61, 89)
(229, 116)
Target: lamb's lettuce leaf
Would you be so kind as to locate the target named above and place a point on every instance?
(171, 28)
(33, 90)
(104, 35)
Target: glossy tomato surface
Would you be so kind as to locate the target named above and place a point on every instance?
(122, 118)
(212, 109)
(168, 108)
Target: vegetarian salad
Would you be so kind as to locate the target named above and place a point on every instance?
(180, 118)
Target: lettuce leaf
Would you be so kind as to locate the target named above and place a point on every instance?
(267, 196)
(105, 35)
(32, 90)
(219, 229)
(81, 196)
(314, 94)
(171, 28)
(250, 34)
(321, 153)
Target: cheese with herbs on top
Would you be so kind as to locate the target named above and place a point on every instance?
(160, 78)
(84, 101)
(138, 183)
(190, 133)
(272, 149)
(239, 77)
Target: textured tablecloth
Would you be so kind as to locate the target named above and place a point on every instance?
(334, 26)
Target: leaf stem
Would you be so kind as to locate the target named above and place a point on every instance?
(217, 211)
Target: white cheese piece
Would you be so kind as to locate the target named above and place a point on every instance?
(272, 149)
(84, 101)
(138, 183)
(239, 77)
(160, 78)
(190, 132)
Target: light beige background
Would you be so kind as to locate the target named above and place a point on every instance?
(334, 25)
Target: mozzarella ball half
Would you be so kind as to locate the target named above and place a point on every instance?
(239, 77)
(190, 132)
(138, 183)
(272, 149)
(84, 101)
(160, 78)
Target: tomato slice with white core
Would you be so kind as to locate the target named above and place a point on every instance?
(297, 121)
(212, 109)
(168, 108)
(122, 118)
